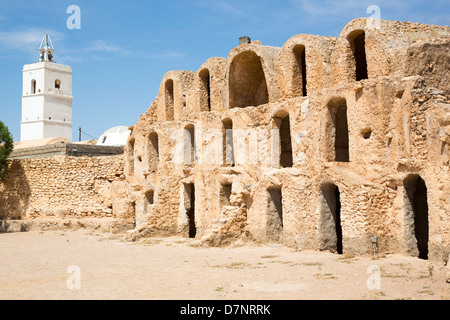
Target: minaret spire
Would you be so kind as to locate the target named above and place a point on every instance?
(46, 49)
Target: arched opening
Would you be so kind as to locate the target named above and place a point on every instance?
(150, 197)
(170, 102)
(153, 151)
(341, 140)
(131, 157)
(283, 124)
(299, 74)
(205, 90)
(133, 209)
(417, 212)
(189, 145)
(330, 230)
(228, 144)
(247, 81)
(338, 135)
(189, 206)
(57, 84)
(357, 41)
(33, 86)
(275, 214)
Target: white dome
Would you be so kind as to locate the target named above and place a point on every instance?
(116, 136)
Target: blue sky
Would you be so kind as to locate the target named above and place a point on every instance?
(124, 48)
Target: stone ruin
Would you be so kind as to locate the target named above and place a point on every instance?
(337, 144)
(323, 144)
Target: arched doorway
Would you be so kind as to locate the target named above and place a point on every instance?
(205, 90)
(282, 123)
(247, 81)
(169, 97)
(153, 151)
(299, 81)
(228, 144)
(338, 133)
(274, 214)
(357, 41)
(330, 229)
(189, 145)
(417, 212)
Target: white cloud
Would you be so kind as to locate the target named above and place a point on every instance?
(26, 40)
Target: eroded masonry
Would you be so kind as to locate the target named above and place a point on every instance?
(323, 144)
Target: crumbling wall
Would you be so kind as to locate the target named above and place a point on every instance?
(372, 94)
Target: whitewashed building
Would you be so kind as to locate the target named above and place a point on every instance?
(115, 137)
(47, 97)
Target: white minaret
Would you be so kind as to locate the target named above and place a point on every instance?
(47, 97)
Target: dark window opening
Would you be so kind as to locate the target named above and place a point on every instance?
(150, 196)
(337, 195)
(33, 86)
(57, 84)
(300, 71)
(189, 203)
(338, 113)
(358, 45)
(286, 160)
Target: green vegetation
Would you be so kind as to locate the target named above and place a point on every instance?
(6, 147)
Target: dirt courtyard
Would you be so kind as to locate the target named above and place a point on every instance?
(60, 265)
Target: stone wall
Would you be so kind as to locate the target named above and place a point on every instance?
(71, 149)
(330, 136)
(60, 187)
(321, 144)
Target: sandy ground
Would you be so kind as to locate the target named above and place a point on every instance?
(84, 265)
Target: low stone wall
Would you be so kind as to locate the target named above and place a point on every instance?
(103, 225)
(60, 187)
(71, 149)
